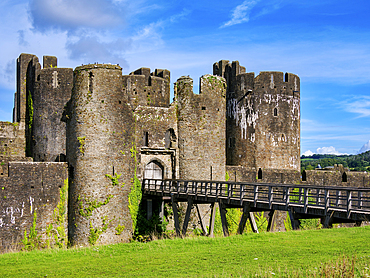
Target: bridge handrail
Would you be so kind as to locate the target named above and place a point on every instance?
(307, 196)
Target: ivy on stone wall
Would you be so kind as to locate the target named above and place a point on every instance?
(91, 205)
(82, 144)
(59, 217)
(32, 239)
(114, 179)
(96, 232)
(134, 197)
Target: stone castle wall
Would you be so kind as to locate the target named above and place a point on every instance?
(33, 192)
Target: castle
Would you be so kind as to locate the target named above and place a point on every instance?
(82, 140)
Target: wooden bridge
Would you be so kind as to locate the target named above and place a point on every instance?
(330, 204)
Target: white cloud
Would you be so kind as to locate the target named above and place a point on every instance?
(323, 150)
(92, 49)
(358, 105)
(241, 13)
(71, 15)
(328, 150)
(308, 153)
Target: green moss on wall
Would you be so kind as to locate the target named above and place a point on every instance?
(96, 232)
(82, 143)
(32, 239)
(90, 205)
(135, 195)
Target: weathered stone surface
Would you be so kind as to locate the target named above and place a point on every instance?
(263, 118)
(201, 124)
(100, 129)
(52, 91)
(28, 189)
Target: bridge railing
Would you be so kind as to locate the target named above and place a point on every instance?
(346, 199)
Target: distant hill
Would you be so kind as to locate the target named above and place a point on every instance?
(358, 162)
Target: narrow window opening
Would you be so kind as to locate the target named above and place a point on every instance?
(275, 112)
(146, 139)
(286, 77)
(91, 77)
(304, 176)
(119, 102)
(113, 172)
(231, 142)
(344, 177)
(170, 139)
(260, 174)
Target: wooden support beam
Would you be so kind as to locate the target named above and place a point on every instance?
(187, 216)
(149, 209)
(253, 222)
(201, 221)
(327, 221)
(222, 208)
(212, 220)
(175, 215)
(294, 222)
(271, 223)
(243, 220)
(161, 209)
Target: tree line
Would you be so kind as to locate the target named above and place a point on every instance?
(358, 162)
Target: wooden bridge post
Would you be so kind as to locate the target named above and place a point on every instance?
(201, 221)
(244, 218)
(187, 216)
(175, 215)
(271, 223)
(212, 220)
(222, 208)
(327, 221)
(253, 222)
(294, 222)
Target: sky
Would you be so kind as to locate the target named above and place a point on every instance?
(326, 43)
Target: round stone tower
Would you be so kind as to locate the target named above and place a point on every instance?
(99, 137)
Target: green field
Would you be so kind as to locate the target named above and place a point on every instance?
(289, 254)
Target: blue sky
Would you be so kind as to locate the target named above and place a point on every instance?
(327, 43)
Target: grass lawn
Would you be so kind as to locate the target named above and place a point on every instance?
(289, 254)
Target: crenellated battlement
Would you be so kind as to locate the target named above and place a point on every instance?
(148, 89)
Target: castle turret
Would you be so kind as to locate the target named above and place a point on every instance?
(99, 130)
(53, 89)
(201, 128)
(148, 89)
(263, 118)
